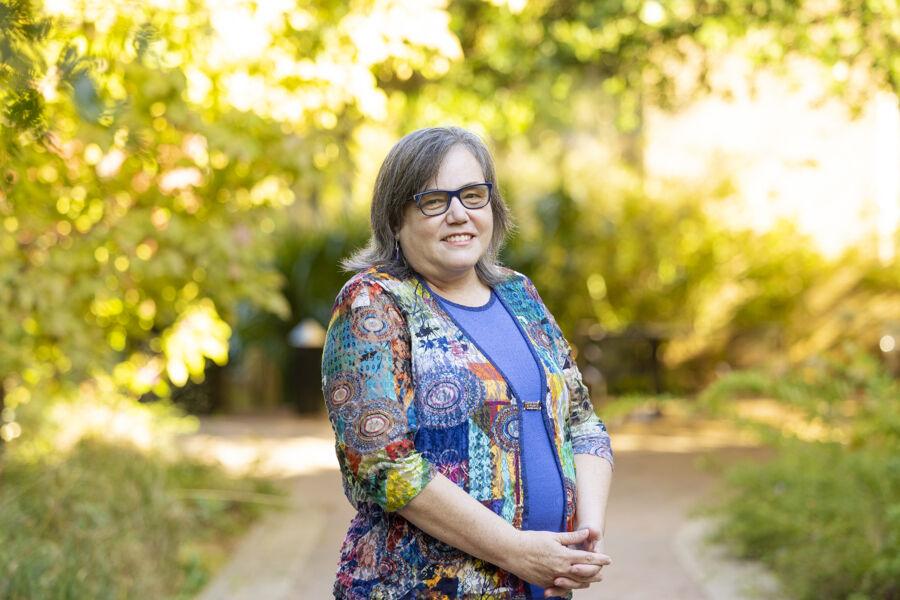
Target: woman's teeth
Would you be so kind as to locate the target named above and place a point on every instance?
(458, 238)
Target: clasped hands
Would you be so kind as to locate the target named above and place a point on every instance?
(560, 562)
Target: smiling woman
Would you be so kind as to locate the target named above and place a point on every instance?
(467, 440)
(445, 246)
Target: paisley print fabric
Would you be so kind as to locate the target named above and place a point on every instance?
(505, 428)
(375, 423)
(344, 390)
(409, 396)
(446, 395)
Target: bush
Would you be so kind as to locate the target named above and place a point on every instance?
(824, 515)
(108, 521)
(826, 520)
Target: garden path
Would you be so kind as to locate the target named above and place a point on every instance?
(665, 467)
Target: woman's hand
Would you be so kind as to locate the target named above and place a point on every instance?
(582, 575)
(553, 560)
(594, 541)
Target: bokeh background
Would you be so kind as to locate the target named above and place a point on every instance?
(706, 193)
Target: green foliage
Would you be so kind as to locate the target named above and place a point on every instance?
(108, 521)
(824, 515)
(149, 151)
(645, 258)
(739, 384)
(826, 520)
(117, 213)
(624, 256)
(309, 265)
(141, 187)
(629, 256)
(849, 394)
(531, 58)
(20, 30)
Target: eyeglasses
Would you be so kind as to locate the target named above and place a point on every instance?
(436, 202)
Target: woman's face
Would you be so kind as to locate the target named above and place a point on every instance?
(447, 246)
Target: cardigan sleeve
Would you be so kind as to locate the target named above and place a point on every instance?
(589, 434)
(366, 381)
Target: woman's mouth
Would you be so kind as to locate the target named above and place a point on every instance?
(460, 239)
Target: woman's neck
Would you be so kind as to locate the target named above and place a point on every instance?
(467, 289)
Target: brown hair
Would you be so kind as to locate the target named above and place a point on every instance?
(409, 166)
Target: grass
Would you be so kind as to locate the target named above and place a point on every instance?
(108, 521)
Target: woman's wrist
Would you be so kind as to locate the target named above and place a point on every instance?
(595, 523)
(508, 550)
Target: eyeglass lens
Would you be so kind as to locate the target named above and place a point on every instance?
(438, 201)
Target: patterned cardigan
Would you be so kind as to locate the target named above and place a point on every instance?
(409, 395)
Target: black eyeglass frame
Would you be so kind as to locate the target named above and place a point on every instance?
(454, 194)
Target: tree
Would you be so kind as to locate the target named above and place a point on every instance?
(149, 152)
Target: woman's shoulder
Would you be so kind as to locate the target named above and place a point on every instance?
(516, 280)
(372, 281)
(508, 274)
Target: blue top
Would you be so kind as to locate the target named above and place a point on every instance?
(495, 332)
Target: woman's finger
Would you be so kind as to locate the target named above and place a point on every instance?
(584, 571)
(589, 558)
(572, 537)
(589, 579)
(570, 584)
(585, 580)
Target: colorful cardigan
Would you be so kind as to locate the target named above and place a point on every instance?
(410, 395)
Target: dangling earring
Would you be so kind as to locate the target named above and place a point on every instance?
(398, 255)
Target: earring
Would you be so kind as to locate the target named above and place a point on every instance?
(398, 255)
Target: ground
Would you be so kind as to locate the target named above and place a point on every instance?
(665, 467)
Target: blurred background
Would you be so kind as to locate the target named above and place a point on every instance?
(706, 193)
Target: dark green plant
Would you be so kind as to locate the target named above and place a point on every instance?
(823, 515)
(309, 264)
(824, 518)
(107, 521)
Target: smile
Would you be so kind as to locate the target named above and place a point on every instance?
(461, 238)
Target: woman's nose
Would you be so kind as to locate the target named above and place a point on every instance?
(456, 211)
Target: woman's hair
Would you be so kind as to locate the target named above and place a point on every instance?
(409, 166)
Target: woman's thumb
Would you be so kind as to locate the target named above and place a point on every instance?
(573, 537)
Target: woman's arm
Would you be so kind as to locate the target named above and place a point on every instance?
(445, 511)
(593, 478)
(367, 386)
(594, 461)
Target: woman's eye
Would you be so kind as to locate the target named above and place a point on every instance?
(432, 201)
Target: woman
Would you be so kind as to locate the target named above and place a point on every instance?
(463, 429)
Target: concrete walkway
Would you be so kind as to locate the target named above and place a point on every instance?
(664, 468)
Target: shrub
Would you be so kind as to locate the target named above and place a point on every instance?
(108, 521)
(825, 519)
(823, 515)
